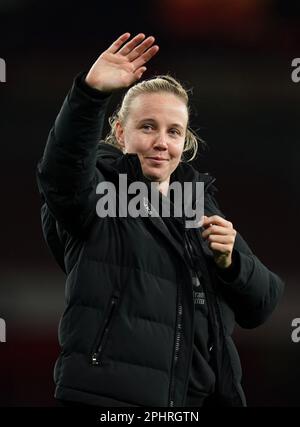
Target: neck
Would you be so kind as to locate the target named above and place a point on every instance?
(163, 186)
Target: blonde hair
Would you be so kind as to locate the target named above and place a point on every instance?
(163, 83)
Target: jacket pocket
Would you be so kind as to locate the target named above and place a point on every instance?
(104, 333)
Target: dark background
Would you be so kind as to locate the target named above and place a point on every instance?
(236, 56)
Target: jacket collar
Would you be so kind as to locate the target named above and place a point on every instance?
(113, 161)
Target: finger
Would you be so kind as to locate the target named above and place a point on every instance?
(216, 219)
(115, 46)
(145, 57)
(225, 240)
(217, 229)
(127, 48)
(139, 72)
(219, 247)
(141, 48)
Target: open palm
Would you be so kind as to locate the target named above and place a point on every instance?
(121, 64)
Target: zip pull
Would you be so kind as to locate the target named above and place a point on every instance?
(96, 355)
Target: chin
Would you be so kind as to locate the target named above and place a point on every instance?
(152, 176)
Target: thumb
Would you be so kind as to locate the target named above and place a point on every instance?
(201, 221)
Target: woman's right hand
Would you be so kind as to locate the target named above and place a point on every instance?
(121, 64)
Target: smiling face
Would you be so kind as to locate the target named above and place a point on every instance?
(155, 130)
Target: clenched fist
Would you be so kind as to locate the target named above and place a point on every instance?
(220, 235)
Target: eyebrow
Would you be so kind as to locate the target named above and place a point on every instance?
(154, 121)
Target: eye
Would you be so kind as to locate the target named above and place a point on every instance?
(147, 127)
(174, 132)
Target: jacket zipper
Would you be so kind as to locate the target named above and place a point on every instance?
(177, 346)
(178, 336)
(99, 348)
(189, 250)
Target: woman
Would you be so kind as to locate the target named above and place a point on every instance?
(150, 304)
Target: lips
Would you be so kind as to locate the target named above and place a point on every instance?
(158, 159)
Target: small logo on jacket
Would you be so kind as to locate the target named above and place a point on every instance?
(199, 298)
(149, 208)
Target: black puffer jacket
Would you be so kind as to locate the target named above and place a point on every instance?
(127, 331)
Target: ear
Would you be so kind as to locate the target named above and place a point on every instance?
(119, 132)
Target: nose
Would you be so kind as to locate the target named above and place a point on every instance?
(161, 142)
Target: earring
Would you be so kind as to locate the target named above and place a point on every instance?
(125, 151)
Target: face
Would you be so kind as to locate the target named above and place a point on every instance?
(155, 130)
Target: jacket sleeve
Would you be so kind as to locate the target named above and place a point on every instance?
(67, 175)
(249, 287)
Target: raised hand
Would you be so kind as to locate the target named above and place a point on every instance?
(121, 64)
